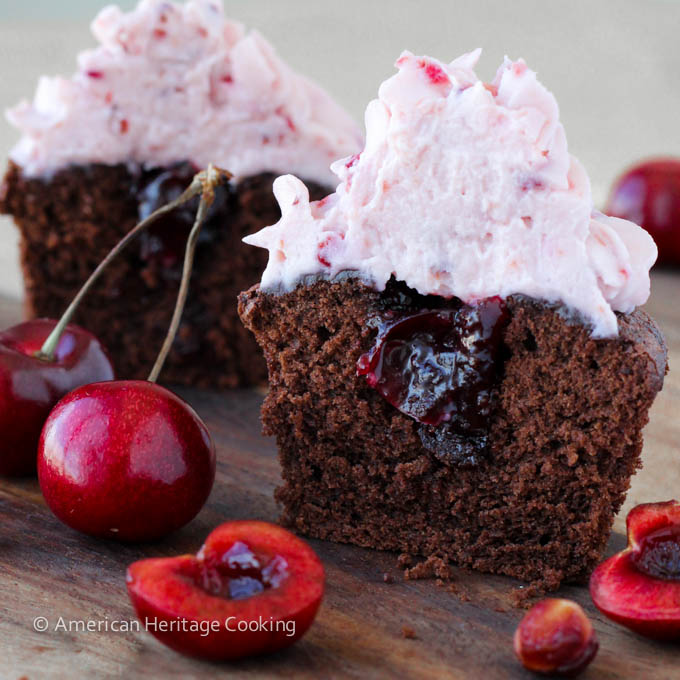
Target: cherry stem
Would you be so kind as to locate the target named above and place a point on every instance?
(207, 198)
(203, 183)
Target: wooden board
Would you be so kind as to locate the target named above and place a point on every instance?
(47, 570)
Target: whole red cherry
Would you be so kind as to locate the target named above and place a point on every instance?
(649, 194)
(253, 588)
(30, 386)
(127, 460)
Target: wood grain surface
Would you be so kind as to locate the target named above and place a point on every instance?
(47, 570)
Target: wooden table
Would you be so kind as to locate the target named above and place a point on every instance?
(50, 571)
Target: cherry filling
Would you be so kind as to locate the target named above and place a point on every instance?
(161, 250)
(440, 366)
(659, 554)
(163, 243)
(241, 573)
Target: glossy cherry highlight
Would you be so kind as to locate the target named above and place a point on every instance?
(127, 460)
(649, 194)
(640, 586)
(555, 638)
(253, 586)
(31, 385)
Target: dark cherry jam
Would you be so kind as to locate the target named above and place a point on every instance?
(439, 366)
(163, 242)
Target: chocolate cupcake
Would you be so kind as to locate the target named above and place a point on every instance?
(456, 363)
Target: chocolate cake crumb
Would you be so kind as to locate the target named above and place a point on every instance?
(408, 633)
(447, 585)
(433, 566)
(69, 222)
(404, 561)
(563, 442)
(524, 597)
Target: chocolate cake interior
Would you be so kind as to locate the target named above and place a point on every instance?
(70, 220)
(532, 496)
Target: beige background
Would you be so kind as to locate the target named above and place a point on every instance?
(614, 65)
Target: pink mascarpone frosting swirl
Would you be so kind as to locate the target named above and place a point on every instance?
(463, 189)
(174, 83)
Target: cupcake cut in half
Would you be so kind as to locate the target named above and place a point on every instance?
(456, 363)
(170, 88)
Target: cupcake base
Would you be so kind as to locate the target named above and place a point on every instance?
(538, 501)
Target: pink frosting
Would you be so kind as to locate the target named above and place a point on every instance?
(180, 82)
(463, 189)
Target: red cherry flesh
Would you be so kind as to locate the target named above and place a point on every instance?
(649, 194)
(30, 387)
(640, 586)
(253, 588)
(127, 460)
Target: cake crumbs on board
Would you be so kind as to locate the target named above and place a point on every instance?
(408, 633)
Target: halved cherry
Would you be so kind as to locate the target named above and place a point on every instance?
(640, 586)
(253, 588)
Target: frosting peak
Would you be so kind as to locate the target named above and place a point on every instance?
(464, 189)
(174, 83)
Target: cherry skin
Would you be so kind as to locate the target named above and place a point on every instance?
(649, 194)
(30, 387)
(253, 588)
(127, 460)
